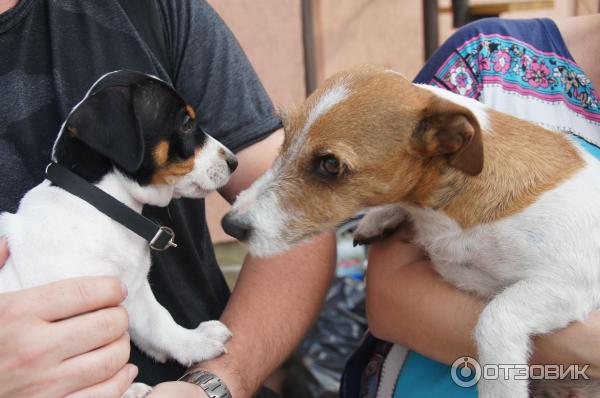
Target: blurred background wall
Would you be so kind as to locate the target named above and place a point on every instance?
(347, 33)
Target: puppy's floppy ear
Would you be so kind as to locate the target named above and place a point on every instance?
(157, 107)
(159, 111)
(106, 122)
(448, 129)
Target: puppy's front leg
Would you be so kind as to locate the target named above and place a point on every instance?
(506, 325)
(155, 332)
(379, 223)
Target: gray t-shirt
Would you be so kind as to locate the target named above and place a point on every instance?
(51, 51)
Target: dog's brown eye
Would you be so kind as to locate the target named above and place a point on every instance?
(330, 166)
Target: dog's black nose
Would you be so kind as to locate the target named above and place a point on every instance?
(232, 162)
(235, 228)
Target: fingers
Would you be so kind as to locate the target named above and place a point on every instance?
(3, 251)
(113, 387)
(396, 248)
(94, 367)
(69, 297)
(176, 389)
(89, 331)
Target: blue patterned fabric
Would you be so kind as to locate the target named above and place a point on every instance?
(521, 68)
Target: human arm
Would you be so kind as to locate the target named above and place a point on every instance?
(408, 303)
(66, 338)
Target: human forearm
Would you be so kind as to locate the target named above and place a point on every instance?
(408, 303)
(273, 304)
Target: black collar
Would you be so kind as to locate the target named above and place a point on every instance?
(159, 237)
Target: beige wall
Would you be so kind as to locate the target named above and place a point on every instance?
(347, 33)
(270, 32)
(353, 32)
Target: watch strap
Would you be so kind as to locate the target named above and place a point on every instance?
(209, 382)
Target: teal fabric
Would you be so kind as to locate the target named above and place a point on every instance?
(594, 150)
(422, 377)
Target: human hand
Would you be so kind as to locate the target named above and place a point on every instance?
(177, 389)
(578, 343)
(65, 339)
(3, 251)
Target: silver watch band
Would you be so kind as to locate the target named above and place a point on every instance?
(209, 382)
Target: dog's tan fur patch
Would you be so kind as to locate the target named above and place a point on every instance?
(539, 160)
(161, 153)
(190, 111)
(173, 171)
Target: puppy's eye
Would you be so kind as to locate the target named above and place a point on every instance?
(188, 125)
(330, 166)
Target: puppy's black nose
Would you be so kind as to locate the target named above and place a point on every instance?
(232, 162)
(235, 228)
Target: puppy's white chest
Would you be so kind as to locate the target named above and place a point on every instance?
(56, 235)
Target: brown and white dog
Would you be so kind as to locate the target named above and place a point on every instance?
(505, 209)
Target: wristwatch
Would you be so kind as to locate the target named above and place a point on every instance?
(209, 382)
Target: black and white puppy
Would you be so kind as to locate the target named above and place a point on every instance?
(133, 137)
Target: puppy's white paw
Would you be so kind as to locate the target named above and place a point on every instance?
(214, 330)
(379, 223)
(207, 341)
(137, 390)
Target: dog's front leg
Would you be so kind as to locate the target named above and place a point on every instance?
(155, 332)
(379, 223)
(506, 325)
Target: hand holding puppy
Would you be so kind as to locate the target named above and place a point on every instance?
(3, 252)
(66, 338)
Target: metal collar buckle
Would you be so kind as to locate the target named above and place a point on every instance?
(157, 237)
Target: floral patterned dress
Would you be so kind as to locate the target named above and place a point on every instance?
(520, 67)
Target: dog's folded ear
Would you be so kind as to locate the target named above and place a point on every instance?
(159, 110)
(121, 112)
(106, 122)
(448, 129)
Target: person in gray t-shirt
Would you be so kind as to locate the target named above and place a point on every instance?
(51, 51)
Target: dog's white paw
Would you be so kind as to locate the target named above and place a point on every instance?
(214, 330)
(205, 342)
(137, 390)
(379, 223)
